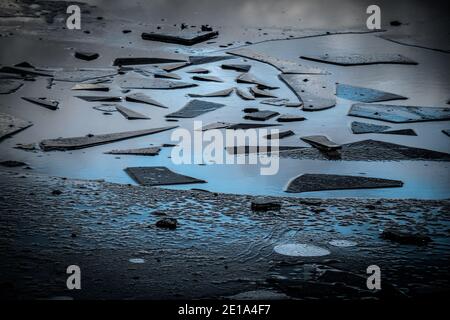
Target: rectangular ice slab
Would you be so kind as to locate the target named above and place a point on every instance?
(159, 176)
(318, 182)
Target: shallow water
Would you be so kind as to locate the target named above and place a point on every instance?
(425, 84)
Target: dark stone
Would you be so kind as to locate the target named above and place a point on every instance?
(12, 163)
(405, 237)
(263, 204)
(167, 223)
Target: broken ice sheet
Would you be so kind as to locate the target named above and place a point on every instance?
(275, 102)
(183, 37)
(150, 151)
(143, 98)
(362, 127)
(319, 182)
(361, 59)
(290, 118)
(262, 115)
(130, 114)
(159, 176)
(196, 60)
(285, 66)
(244, 94)
(321, 142)
(106, 108)
(80, 75)
(371, 150)
(280, 135)
(236, 67)
(100, 98)
(399, 114)
(167, 75)
(221, 93)
(215, 125)
(10, 125)
(364, 94)
(139, 61)
(249, 78)
(207, 78)
(195, 108)
(258, 93)
(90, 87)
(316, 92)
(146, 83)
(245, 126)
(94, 140)
(9, 86)
(198, 70)
(44, 102)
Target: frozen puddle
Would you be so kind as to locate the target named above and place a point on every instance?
(300, 250)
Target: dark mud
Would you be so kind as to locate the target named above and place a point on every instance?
(220, 247)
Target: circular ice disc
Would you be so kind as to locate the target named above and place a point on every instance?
(300, 250)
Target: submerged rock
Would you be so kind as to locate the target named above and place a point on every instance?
(167, 223)
(264, 204)
(405, 237)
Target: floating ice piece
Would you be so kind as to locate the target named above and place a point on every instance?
(261, 93)
(145, 83)
(244, 94)
(137, 260)
(100, 98)
(321, 142)
(184, 37)
(130, 114)
(94, 140)
(315, 92)
(284, 66)
(207, 78)
(150, 151)
(399, 114)
(195, 108)
(290, 118)
(249, 78)
(136, 61)
(236, 67)
(365, 94)
(143, 98)
(87, 56)
(159, 176)
(221, 93)
(300, 250)
(10, 125)
(319, 182)
(90, 86)
(361, 59)
(262, 115)
(9, 86)
(44, 102)
(280, 135)
(167, 75)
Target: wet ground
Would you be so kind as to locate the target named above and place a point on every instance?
(221, 246)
